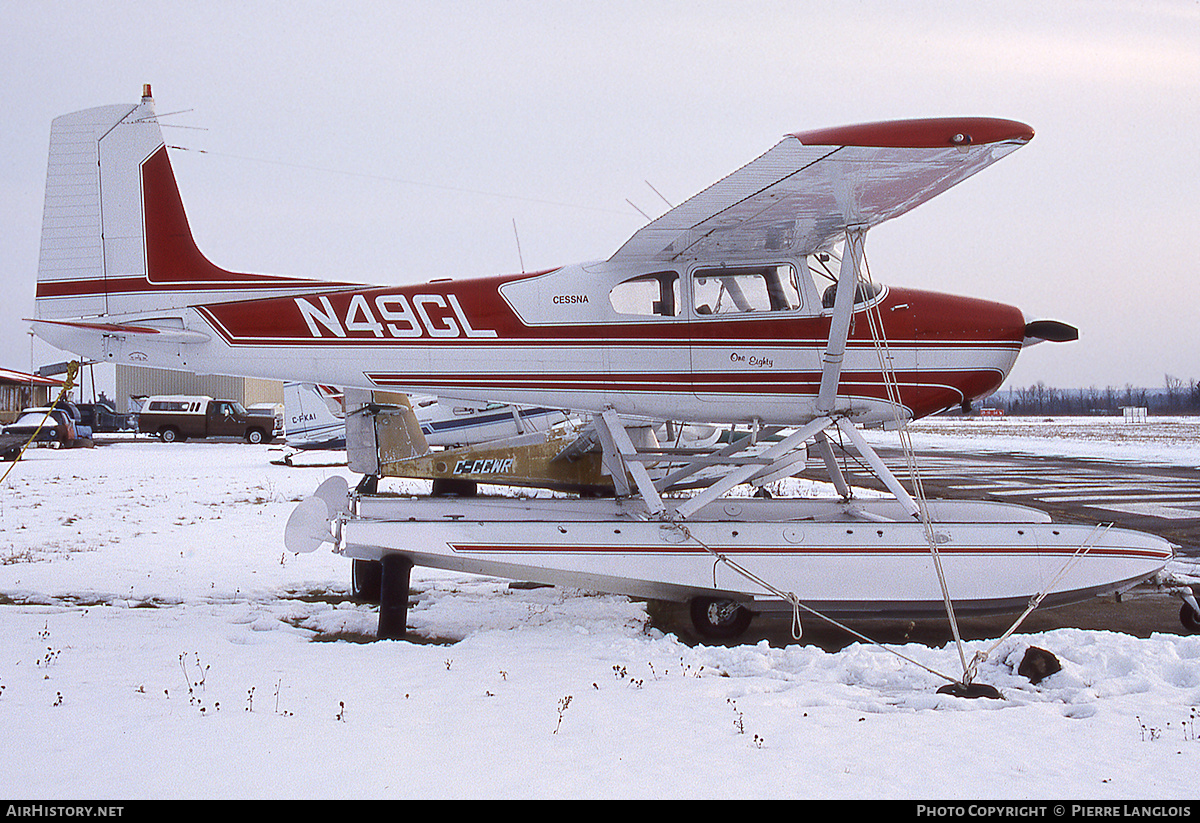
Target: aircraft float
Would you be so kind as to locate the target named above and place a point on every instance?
(735, 307)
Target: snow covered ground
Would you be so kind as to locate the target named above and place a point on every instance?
(160, 642)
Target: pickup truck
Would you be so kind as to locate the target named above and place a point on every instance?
(175, 418)
(102, 417)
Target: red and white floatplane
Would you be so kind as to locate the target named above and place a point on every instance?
(749, 304)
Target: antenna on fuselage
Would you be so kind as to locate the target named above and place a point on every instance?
(520, 257)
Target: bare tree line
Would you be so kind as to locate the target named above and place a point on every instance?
(1175, 397)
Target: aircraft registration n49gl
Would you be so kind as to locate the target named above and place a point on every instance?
(723, 309)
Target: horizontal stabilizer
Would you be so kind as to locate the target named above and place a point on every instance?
(158, 334)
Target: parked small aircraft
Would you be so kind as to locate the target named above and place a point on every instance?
(735, 306)
(315, 418)
(466, 443)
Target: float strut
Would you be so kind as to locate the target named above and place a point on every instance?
(393, 597)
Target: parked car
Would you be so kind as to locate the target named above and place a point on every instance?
(57, 424)
(178, 417)
(10, 447)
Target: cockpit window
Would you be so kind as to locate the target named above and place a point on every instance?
(734, 291)
(827, 266)
(863, 293)
(647, 295)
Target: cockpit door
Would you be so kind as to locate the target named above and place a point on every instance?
(748, 325)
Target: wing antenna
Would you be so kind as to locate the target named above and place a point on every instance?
(660, 194)
(639, 211)
(520, 256)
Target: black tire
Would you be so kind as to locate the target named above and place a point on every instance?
(366, 577)
(169, 434)
(719, 619)
(1189, 619)
(255, 436)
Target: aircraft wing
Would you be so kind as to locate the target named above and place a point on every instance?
(801, 195)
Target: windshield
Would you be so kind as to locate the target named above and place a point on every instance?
(826, 266)
(34, 419)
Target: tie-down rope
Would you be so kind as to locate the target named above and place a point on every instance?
(797, 606)
(892, 384)
(68, 383)
(886, 360)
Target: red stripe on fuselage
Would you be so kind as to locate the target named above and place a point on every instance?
(979, 337)
(358, 316)
(921, 392)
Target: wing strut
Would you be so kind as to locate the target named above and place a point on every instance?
(839, 326)
(619, 455)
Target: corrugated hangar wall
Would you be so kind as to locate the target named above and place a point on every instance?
(137, 381)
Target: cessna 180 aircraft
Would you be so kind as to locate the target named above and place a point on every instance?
(734, 307)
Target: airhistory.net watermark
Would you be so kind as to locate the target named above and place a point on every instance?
(61, 810)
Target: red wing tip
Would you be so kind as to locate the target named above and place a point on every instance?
(932, 133)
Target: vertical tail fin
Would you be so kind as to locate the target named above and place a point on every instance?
(115, 237)
(309, 419)
(92, 221)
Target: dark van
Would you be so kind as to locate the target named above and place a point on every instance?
(178, 417)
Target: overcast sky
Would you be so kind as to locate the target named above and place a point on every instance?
(396, 142)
